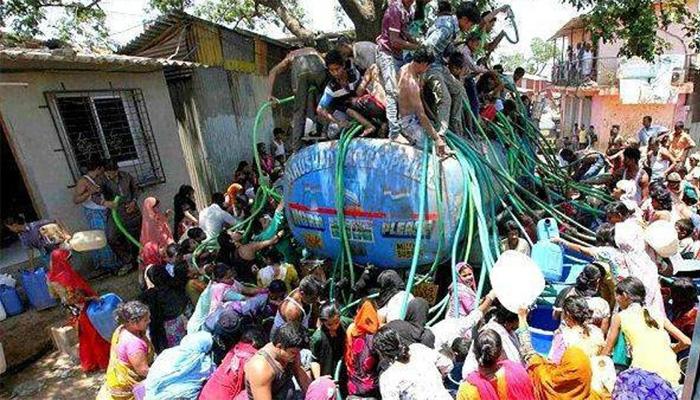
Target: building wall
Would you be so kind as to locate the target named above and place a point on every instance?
(36, 141)
(608, 111)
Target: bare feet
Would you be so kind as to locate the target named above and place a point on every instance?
(368, 132)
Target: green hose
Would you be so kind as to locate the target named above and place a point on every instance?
(120, 224)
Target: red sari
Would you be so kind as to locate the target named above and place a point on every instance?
(92, 348)
(154, 225)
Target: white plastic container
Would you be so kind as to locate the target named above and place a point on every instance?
(88, 240)
(516, 280)
(663, 238)
(3, 314)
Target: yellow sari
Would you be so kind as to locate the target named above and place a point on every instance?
(120, 378)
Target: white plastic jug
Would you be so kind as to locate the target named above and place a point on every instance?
(3, 314)
(663, 238)
(516, 280)
(88, 240)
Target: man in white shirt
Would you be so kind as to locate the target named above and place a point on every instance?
(647, 132)
(213, 219)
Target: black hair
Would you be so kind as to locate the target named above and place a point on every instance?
(632, 154)
(328, 311)
(501, 314)
(512, 226)
(460, 348)
(273, 255)
(509, 106)
(617, 207)
(254, 336)
(94, 163)
(242, 165)
(684, 295)
(444, 7)
(218, 198)
(15, 220)
(388, 345)
(188, 246)
(111, 165)
(423, 56)
(519, 71)
(663, 197)
(647, 117)
(277, 286)
(456, 59)
(310, 286)
(278, 132)
(185, 190)
(197, 234)
(488, 348)
(587, 281)
(131, 311)
(568, 154)
(289, 336)
(172, 249)
(343, 40)
(686, 225)
(576, 308)
(334, 57)
(635, 290)
(605, 235)
(469, 10)
(498, 68)
(220, 270)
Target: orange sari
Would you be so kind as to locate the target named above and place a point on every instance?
(569, 380)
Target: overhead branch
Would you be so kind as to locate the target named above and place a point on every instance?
(290, 21)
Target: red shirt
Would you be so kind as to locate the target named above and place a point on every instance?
(396, 19)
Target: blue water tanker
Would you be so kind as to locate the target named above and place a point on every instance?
(382, 182)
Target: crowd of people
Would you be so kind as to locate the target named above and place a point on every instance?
(228, 313)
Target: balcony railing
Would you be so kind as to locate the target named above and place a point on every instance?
(602, 72)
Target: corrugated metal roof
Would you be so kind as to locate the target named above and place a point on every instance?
(573, 24)
(174, 18)
(67, 59)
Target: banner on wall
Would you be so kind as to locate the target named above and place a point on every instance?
(642, 82)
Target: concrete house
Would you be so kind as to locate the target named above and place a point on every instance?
(215, 107)
(60, 108)
(602, 98)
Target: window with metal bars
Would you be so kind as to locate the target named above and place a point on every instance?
(107, 124)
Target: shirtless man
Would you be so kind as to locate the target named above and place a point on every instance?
(268, 374)
(296, 308)
(413, 119)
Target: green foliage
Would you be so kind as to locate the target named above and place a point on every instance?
(635, 23)
(165, 6)
(542, 53)
(249, 13)
(81, 23)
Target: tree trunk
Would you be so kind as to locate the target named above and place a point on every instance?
(366, 15)
(290, 21)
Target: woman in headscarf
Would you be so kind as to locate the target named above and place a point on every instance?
(131, 352)
(587, 286)
(465, 292)
(638, 384)
(233, 194)
(150, 256)
(185, 211)
(168, 301)
(496, 379)
(569, 379)
(180, 372)
(412, 328)
(391, 295)
(73, 291)
(360, 361)
(154, 225)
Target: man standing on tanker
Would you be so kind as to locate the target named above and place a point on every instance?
(308, 70)
(414, 121)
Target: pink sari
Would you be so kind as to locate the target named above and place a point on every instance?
(466, 294)
(154, 225)
(517, 383)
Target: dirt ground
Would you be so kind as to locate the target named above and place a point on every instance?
(52, 377)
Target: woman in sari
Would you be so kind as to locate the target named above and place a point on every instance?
(131, 352)
(73, 291)
(360, 361)
(154, 225)
(569, 379)
(465, 292)
(180, 372)
(150, 256)
(185, 210)
(496, 379)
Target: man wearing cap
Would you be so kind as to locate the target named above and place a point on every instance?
(680, 143)
(673, 183)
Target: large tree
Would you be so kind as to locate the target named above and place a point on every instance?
(542, 53)
(634, 22)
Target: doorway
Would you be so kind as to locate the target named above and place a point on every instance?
(14, 198)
